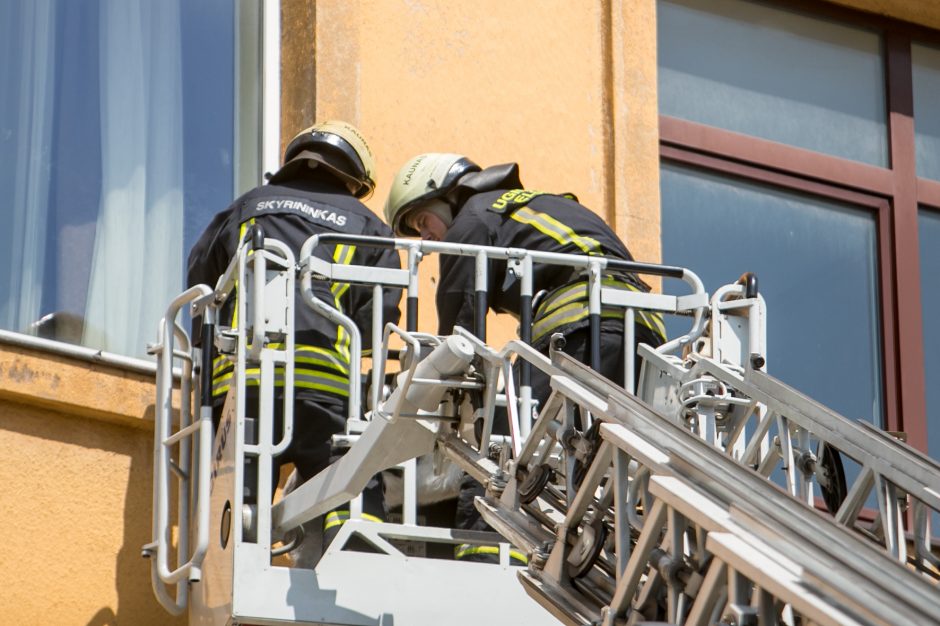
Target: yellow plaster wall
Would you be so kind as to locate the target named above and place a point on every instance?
(76, 450)
(298, 67)
(567, 90)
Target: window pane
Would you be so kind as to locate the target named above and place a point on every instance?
(816, 266)
(926, 69)
(773, 74)
(116, 141)
(929, 234)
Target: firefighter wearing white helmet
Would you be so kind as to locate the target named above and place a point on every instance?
(447, 197)
(326, 169)
(425, 182)
(336, 147)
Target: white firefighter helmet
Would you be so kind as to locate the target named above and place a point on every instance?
(425, 177)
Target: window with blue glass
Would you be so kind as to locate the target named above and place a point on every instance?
(930, 300)
(926, 88)
(117, 136)
(779, 158)
(773, 73)
(816, 264)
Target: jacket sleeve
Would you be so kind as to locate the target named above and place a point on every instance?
(456, 284)
(208, 259)
(210, 255)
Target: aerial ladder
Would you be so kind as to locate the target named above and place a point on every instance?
(708, 493)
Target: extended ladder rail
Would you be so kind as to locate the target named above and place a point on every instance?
(898, 475)
(839, 562)
(892, 467)
(706, 491)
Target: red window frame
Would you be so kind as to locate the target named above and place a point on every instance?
(894, 194)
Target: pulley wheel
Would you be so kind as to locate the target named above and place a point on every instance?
(587, 549)
(534, 483)
(580, 470)
(830, 474)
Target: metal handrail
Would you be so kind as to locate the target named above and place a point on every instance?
(187, 564)
(695, 303)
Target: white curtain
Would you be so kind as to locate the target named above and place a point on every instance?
(27, 84)
(137, 259)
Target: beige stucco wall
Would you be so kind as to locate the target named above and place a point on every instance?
(567, 90)
(75, 469)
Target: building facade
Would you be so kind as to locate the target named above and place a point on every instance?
(796, 139)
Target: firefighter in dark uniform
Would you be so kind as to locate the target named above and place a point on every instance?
(327, 168)
(447, 197)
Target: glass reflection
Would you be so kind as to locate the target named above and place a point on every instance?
(774, 74)
(929, 234)
(816, 265)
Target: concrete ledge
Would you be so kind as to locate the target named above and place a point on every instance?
(76, 387)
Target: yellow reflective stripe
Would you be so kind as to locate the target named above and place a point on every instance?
(327, 358)
(318, 350)
(220, 363)
(568, 314)
(241, 237)
(342, 341)
(568, 305)
(335, 518)
(252, 376)
(577, 311)
(573, 293)
(579, 291)
(334, 380)
(653, 321)
(222, 389)
(464, 550)
(338, 518)
(303, 378)
(558, 231)
(332, 355)
(302, 371)
(339, 391)
(343, 254)
(314, 361)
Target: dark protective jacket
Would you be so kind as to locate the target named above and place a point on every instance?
(291, 212)
(517, 218)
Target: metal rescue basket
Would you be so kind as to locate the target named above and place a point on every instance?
(693, 498)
